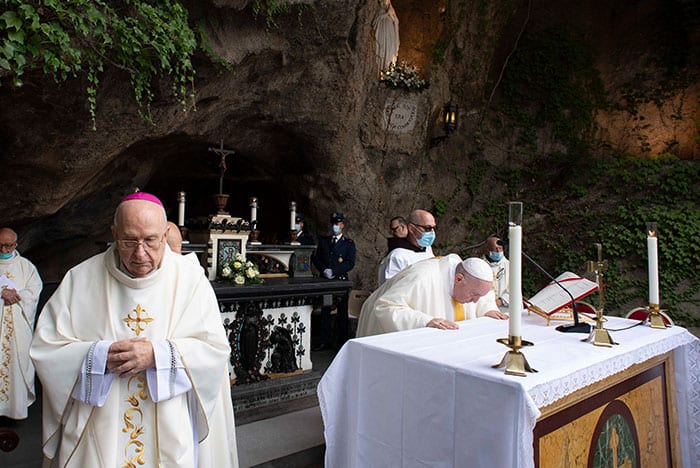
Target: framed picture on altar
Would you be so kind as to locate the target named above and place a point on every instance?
(223, 247)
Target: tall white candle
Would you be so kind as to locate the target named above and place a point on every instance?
(181, 209)
(652, 248)
(253, 209)
(293, 215)
(515, 307)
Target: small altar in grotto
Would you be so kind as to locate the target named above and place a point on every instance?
(268, 318)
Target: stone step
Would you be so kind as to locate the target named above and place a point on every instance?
(290, 440)
(274, 397)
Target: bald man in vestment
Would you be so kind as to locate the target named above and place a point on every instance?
(437, 292)
(133, 356)
(21, 286)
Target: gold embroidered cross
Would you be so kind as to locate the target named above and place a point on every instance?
(136, 322)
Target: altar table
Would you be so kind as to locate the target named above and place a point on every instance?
(430, 398)
(273, 319)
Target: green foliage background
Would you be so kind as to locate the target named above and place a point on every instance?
(588, 194)
(67, 38)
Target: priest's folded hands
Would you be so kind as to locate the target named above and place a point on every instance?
(129, 357)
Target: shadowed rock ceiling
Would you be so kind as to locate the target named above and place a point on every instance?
(296, 108)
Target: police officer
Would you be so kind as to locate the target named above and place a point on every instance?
(334, 258)
(304, 237)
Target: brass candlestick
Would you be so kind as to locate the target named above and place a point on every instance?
(254, 236)
(515, 361)
(656, 320)
(220, 200)
(599, 335)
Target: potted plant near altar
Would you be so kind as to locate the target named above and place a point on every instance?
(240, 271)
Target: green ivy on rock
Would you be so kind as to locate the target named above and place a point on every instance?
(68, 38)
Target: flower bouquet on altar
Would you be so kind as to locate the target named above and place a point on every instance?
(240, 271)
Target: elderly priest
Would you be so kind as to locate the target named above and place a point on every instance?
(20, 286)
(436, 293)
(133, 357)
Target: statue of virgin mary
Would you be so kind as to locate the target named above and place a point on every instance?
(386, 35)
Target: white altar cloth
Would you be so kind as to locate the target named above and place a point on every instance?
(430, 398)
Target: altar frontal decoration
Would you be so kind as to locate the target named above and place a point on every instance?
(553, 303)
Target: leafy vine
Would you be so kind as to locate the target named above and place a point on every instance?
(148, 39)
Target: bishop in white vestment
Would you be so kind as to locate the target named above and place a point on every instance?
(432, 292)
(21, 286)
(104, 406)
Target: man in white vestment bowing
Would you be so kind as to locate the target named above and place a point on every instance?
(437, 292)
(133, 356)
(21, 286)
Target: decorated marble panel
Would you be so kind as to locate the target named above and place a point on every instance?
(267, 341)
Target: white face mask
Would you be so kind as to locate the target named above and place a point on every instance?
(336, 229)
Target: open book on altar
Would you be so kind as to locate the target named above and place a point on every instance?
(553, 303)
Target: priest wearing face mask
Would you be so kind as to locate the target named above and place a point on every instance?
(413, 248)
(21, 286)
(500, 266)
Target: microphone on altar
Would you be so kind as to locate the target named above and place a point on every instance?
(577, 326)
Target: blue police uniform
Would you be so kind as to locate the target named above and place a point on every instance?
(339, 257)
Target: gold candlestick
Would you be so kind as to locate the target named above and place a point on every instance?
(599, 335)
(515, 361)
(656, 320)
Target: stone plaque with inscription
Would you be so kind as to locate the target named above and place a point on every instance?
(400, 114)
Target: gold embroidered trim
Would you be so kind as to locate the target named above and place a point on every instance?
(135, 449)
(9, 327)
(136, 321)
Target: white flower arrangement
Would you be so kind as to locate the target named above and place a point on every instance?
(240, 271)
(403, 76)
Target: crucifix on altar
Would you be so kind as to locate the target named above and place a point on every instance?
(221, 198)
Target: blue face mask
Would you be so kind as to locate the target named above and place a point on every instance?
(6, 256)
(496, 256)
(427, 239)
(296, 227)
(336, 229)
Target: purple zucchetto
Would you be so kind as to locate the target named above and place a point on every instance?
(142, 196)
